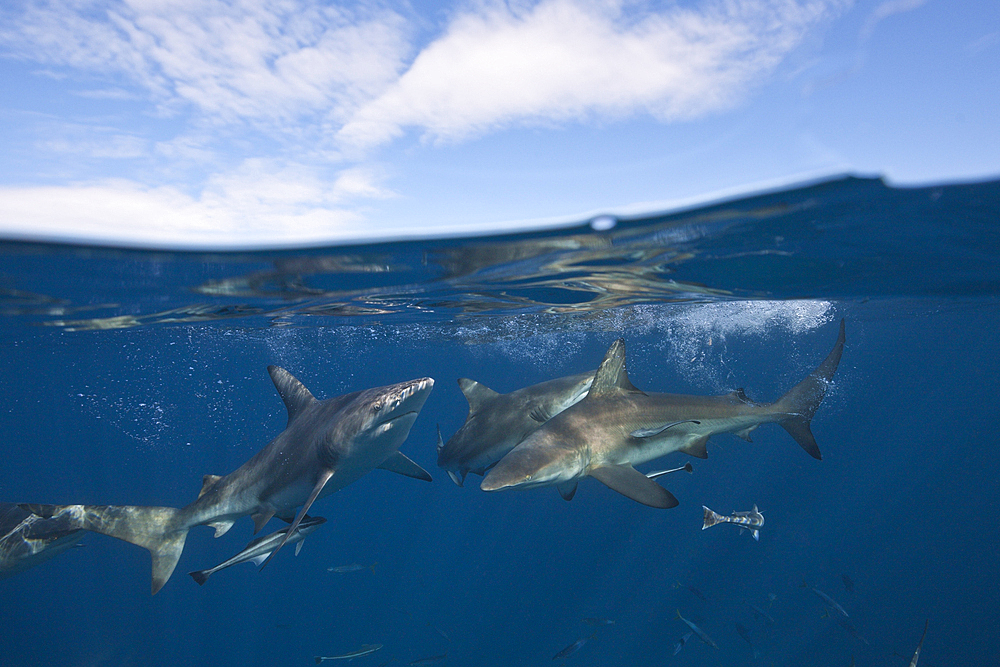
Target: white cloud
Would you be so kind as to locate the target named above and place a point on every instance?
(885, 10)
(114, 147)
(259, 203)
(563, 59)
(241, 79)
(270, 61)
(301, 65)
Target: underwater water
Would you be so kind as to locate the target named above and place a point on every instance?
(128, 375)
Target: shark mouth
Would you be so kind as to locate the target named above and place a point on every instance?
(395, 417)
(414, 392)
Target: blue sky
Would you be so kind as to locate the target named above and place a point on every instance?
(227, 123)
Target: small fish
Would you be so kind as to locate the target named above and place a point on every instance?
(751, 520)
(772, 597)
(761, 613)
(916, 654)
(365, 649)
(353, 567)
(681, 642)
(598, 621)
(572, 648)
(745, 633)
(848, 583)
(261, 548)
(429, 660)
(687, 467)
(694, 591)
(830, 602)
(698, 631)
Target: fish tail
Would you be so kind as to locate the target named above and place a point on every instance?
(201, 576)
(711, 518)
(801, 402)
(157, 529)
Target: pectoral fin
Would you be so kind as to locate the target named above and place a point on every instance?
(260, 518)
(398, 463)
(629, 482)
(567, 489)
(324, 477)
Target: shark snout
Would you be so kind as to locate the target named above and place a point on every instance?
(405, 398)
(528, 466)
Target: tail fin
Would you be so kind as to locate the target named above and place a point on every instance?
(802, 400)
(154, 528)
(711, 518)
(201, 576)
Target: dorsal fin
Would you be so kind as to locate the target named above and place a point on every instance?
(293, 393)
(611, 375)
(206, 483)
(741, 396)
(476, 393)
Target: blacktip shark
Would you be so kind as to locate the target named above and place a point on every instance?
(325, 446)
(617, 426)
(260, 548)
(27, 540)
(497, 422)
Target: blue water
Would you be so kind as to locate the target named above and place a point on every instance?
(128, 375)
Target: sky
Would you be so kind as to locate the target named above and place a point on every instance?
(245, 123)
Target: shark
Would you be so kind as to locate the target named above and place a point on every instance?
(325, 446)
(497, 422)
(27, 540)
(617, 426)
(261, 547)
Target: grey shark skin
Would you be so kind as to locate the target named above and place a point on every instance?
(27, 540)
(325, 446)
(617, 427)
(497, 423)
(260, 548)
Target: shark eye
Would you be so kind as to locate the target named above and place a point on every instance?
(376, 407)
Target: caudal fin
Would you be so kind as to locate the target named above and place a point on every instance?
(201, 576)
(802, 400)
(156, 529)
(711, 518)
